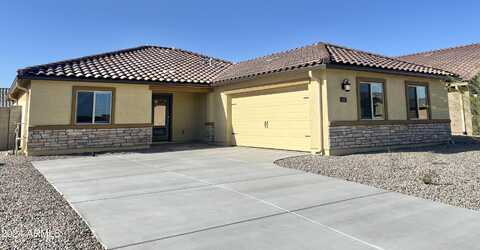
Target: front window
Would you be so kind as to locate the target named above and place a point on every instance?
(417, 98)
(371, 101)
(94, 107)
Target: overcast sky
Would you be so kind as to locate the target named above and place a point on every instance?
(37, 32)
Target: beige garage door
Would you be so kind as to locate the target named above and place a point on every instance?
(276, 118)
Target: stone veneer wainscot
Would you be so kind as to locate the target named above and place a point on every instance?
(362, 136)
(68, 140)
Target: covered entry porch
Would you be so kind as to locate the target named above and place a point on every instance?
(178, 114)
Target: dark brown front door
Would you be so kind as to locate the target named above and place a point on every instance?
(161, 117)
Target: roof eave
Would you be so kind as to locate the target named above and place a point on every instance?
(16, 88)
(342, 66)
(11, 90)
(254, 76)
(391, 71)
(204, 84)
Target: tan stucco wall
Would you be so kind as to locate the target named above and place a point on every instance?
(188, 116)
(439, 100)
(460, 120)
(23, 101)
(217, 114)
(51, 102)
(395, 95)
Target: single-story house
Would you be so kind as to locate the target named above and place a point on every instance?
(465, 62)
(320, 98)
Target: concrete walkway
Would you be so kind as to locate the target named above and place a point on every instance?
(236, 198)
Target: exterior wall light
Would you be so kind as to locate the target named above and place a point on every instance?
(346, 85)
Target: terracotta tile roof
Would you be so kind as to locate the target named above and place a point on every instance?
(145, 63)
(170, 65)
(321, 53)
(282, 61)
(463, 60)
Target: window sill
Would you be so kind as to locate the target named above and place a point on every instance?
(386, 122)
(90, 124)
(93, 126)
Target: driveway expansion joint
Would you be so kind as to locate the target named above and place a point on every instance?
(106, 177)
(256, 219)
(286, 211)
(181, 189)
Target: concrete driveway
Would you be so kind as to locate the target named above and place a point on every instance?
(236, 198)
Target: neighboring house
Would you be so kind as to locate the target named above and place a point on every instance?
(10, 115)
(4, 100)
(465, 62)
(320, 98)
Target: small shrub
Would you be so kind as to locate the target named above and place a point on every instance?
(475, 104)
(429, 177)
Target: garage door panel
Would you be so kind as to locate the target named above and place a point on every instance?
(251, 140)
(300, 100)
(278, 111)
(286, 111)
(273, 131)
(280, 136)
(274, 142)
(268, 93)
(274, 94)
(273, 126)
(270, 117)
(249, 109)
(259, 108)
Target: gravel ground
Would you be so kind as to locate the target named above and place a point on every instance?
(33, 215)
(446, 173)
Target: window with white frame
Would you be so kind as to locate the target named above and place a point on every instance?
(371, 95)
(93, 107)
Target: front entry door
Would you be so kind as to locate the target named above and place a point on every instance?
(161, 116)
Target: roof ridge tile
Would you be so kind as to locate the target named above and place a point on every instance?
(280, 52)
(193, 53)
